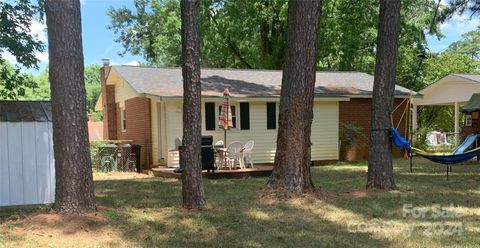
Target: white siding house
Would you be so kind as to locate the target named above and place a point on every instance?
(27, 173)
(163, 89)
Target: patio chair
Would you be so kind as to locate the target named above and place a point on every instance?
(247, 153)
(219, 154)
(234, 154)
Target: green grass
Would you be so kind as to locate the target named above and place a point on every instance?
(148, 212)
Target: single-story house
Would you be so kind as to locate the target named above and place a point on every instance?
(451, 90)
(144, 105)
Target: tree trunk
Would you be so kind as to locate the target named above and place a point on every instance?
(192, 174)
(73, 170)
(291, 169)
(380, 166)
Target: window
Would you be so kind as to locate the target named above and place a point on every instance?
(271, 115)
(123, 115)
(209, 116)
(244, 116)
(234, 114)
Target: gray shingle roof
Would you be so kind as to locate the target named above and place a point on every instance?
(26, 111)
(472, 77)
(241, 83)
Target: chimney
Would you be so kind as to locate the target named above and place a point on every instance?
(109, 107)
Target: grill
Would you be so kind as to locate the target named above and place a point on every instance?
(207, 153)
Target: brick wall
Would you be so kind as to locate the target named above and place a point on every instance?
(138, 128)
(358, 111)
(109, 112)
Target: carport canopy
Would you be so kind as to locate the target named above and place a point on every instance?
(452, 90)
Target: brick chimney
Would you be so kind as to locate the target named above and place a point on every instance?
(108, 99)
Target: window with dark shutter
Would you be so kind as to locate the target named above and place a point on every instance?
(245, 116)
(271, 115)
(209, 116)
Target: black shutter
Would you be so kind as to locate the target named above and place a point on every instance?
(245, 116)
(271, 115)
(209, 116)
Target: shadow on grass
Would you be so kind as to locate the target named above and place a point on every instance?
(426, 187)
(149, 213)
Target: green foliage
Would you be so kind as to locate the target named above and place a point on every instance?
(92, 86)
(16, 19)
(13, 83)
(468, 45)
(251, 34)
(350, 134)
(41, 88)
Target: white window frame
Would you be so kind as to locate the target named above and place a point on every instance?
(123, 119)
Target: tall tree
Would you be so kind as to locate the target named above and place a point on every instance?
(192, 189)
(73, 169)
(380, 166)
(291, 169)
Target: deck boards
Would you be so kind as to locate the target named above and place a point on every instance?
(257, 171)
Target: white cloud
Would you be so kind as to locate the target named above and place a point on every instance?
(460, 24)
(132, 63)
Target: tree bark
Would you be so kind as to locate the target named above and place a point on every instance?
(380, 166)
(291, 169)
(74, 191)
(192, 189)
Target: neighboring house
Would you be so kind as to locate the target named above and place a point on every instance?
(451, 90)
(95, 129)
(144, 105)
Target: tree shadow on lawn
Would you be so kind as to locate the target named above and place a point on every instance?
(149, 213)
(423, 188)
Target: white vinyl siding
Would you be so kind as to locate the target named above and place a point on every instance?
(27, 172)
(324, 130)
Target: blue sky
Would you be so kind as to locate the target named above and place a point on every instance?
(99, 41)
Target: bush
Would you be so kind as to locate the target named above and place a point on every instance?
(350, 135)
(96, 150)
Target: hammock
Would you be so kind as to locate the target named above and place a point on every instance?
(459, 154)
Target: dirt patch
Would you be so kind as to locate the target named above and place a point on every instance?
(46, 229)
(120, 176)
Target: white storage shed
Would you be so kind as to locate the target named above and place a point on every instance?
(27, 170)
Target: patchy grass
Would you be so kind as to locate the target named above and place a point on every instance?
(147, 212)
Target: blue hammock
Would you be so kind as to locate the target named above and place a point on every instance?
(459, 154)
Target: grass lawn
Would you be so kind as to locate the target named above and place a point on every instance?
(147, 212)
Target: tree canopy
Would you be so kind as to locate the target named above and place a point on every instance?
(16, 39)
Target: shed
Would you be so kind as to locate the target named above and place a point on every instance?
(27, 171)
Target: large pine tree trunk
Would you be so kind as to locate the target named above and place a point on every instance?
(192, 173)
(73, 171)
(380, 166)
(291, 169)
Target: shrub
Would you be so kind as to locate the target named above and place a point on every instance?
(350, 135)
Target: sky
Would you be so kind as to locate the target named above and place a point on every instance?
(99, 41)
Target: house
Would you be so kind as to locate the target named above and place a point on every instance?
(451, 90)
(27, 169)
(144, 105)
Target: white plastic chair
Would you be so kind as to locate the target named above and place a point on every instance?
(247, 153)
(234, 154)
